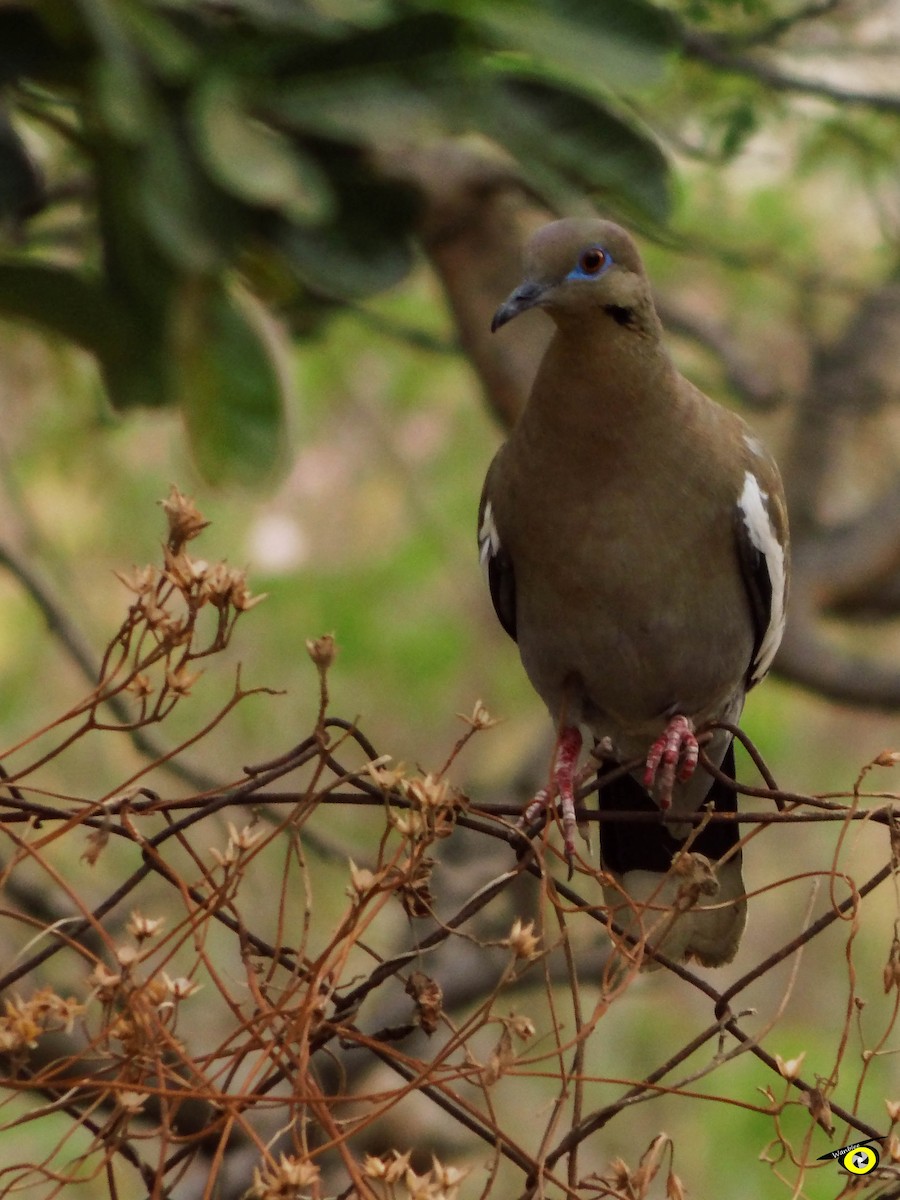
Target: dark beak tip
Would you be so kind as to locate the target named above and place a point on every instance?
(523, 298)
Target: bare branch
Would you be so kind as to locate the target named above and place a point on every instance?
(76, 647)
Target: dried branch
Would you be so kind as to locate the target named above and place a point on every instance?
(78, 650)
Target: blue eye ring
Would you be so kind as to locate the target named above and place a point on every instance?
(592, 262)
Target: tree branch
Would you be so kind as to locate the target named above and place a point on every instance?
(718, 52)
(742, 374)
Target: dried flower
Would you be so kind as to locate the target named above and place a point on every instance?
(429, 1000)
(246, 838)
(620, 1174)
(447, 1178)
(428, 792)
(23, 1021)
(105, 983)
(887, 758)
(440, 1183)
(522, 940)
(398, 1166)
(185, 519)
(480, 718)
(414, 889)
(181, 988)
(239, 842)
(386, 778)
(141, 580)
(322, 650)
(126, 956)
(408, 824)
(139, 685)
(285, 1179)
(18, 1028)
(374, 1167)
(893, 1108)
(131, 1101)
(141, 928)
(817, 1103)
(362, 881)
(184, 572)
(95, 843)
(181, 680)
(648, 1167)
(217, 585)
(242, 598)
(156, 616)
(699, 877)
(790, 1068)
(674, 1187)
(521, 1026)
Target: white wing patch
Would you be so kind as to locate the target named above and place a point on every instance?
(760, 530)
(488, 537)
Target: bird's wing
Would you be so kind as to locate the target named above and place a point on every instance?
(497, 563)
(761, 534)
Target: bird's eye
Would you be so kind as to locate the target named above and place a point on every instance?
(592, 261)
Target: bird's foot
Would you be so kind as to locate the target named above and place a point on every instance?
(672, 756)
(568, 747)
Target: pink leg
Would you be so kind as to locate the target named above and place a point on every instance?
(568, 747)
(676, 744)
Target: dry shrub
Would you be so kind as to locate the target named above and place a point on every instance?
(256, 1007)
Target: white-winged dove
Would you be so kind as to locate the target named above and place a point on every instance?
(635, 540)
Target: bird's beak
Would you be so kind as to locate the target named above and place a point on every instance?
(527, 295)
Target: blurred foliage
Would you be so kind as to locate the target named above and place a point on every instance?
(217, 148)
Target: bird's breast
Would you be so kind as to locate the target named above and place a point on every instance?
(619, 614)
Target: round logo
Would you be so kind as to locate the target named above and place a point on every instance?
(860, 1161)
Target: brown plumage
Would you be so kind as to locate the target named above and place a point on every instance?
(634, 535)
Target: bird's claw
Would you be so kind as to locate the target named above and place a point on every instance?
(672, 756)
(568, 748)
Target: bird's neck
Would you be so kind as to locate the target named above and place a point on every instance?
(600, 377)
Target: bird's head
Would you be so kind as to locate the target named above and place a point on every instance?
(578, 267)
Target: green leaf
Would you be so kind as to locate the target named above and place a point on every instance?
(251, 160)
(122, 92)
(739, 123)
(82, 310)
(181, 210)
(60, 301)
(571, 141)
(610, 42)
(370, 108)
(368, 246)
(331, 264)
(170, 51)
(123, 98)
(229, 383)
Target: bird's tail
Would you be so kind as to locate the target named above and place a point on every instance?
(696, 909)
